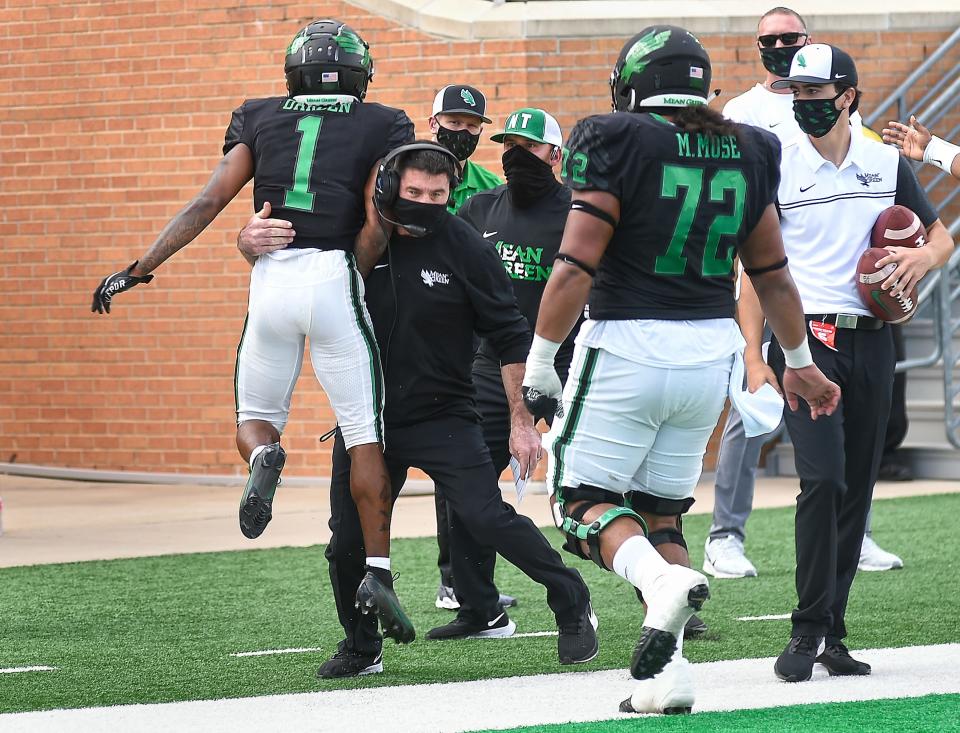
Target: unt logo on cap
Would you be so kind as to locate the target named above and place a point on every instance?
(519, 120)
(801, 61)
(468, 97)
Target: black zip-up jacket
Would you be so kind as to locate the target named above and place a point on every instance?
(427, 298)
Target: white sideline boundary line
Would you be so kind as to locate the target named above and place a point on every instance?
(510, 702)
(18, 670)
(267, 652)
(771, 617)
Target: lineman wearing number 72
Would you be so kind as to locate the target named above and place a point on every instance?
(665, 193)
(312, 156)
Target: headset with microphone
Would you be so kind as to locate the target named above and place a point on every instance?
(388, 182)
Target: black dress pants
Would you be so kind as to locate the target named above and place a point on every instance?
(451, 451)
(837, 460)
(493, 406)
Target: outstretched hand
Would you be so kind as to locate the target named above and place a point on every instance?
(113, 285)
(810, 385)
(912, 139)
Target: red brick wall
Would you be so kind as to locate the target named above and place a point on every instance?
(112, 115)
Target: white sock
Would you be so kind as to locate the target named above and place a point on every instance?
(638, 562)
(379, 562)
(256, 452)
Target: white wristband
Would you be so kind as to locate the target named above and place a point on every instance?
(940, 153)
(799, 357)
(542, 351)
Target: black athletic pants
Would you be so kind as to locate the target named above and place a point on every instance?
(493, 406)
(837, 460)
(452, 452)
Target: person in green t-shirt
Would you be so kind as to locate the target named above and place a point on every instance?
(456, 124)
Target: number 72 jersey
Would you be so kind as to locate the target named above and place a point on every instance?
(312, 159)
(687, 201)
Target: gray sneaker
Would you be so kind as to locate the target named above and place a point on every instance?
(446, 598)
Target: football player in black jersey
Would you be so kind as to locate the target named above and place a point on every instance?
(441, 277)
(311, 156)
(666, 193)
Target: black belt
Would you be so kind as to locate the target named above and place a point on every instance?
(847, 320)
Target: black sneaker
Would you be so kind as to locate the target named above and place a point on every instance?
(577, 642)
(464, 628)
(376, 594)
(349, 663)
(695, 626)
(256, 504)
(795, 664)
(836, 658)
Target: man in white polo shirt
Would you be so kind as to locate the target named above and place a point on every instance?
(834, 184)
(781, 33)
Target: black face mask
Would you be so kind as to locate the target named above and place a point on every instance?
(777, 60)
(418, 218)
(529, 179)
(817, 117)
(460, 142)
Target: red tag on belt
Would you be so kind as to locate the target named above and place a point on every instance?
(825, 333)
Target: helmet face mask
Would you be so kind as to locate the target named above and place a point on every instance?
(662, 66)
(328, 57)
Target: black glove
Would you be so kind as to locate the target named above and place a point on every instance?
(540, 405)
(113, 284)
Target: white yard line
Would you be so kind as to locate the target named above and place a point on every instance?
(17, 670)
(773, 617)
(534, 633)
(507, 703)
(268, 652)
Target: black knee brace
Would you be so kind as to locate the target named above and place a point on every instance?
(667, 536)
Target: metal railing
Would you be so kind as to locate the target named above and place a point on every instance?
(941, 289)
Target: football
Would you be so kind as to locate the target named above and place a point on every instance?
(883, 305)
(898, 226)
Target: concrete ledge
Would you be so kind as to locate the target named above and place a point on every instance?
(478, 19)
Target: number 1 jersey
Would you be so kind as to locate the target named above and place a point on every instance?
(687, 201)
(312, 160)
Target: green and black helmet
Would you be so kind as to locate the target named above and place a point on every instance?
(661, 66)
(328, 57)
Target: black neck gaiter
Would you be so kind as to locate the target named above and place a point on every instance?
(529, 179)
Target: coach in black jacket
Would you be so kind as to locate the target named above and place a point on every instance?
(438, 284)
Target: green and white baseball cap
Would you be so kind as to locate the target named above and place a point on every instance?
(532, 123)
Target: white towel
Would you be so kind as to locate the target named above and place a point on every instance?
(761, 411)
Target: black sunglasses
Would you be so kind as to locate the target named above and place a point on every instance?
(789, 39)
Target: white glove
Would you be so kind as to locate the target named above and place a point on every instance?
(541, 384)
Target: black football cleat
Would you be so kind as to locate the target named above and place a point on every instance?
(256, 505)
(376, 595)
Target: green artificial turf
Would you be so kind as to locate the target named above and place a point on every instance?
(161, 629)
(930, 714)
